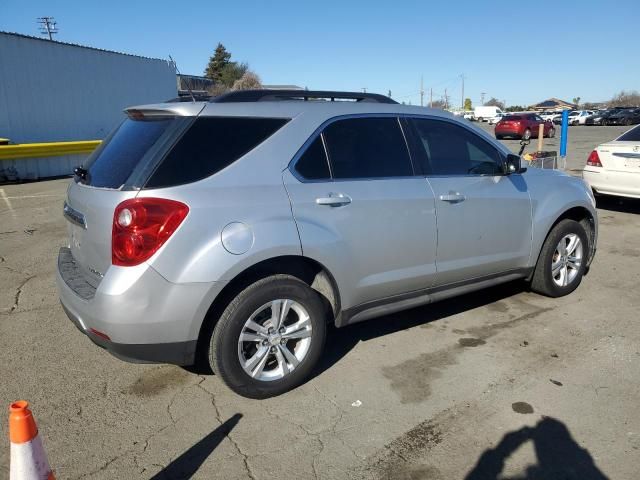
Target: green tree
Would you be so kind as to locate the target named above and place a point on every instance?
(217, 63)
(576, 100)
(231, 72)
(467, 104)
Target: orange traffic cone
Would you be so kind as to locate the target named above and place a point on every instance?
(28, 458)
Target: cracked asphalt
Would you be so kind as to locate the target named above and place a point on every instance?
(498, 384)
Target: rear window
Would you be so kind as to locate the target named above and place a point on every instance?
(209, 145)
(632, 135)
(509, 118)
(113, 162)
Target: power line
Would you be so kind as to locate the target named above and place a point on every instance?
(48, 25)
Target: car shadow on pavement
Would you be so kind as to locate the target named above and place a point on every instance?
(558, 455)
(340, 341)
(187, 464)
(618, 204)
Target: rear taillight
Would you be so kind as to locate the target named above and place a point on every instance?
(594, 159)
(141, 226)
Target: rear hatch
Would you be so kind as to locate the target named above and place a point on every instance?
(113, 173)
(510, 122)
(623, 154)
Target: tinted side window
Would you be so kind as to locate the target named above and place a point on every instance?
(313, 164)
(453, 150)
(367, 148)
(211, 144)
(632, 135)
(113, 162)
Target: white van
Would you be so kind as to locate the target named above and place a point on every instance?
(486, 113)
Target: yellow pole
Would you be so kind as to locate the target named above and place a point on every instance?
(53, 149)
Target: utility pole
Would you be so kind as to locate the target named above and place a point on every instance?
(422, 91)
(482, 97)
(446, 99)
(48, 26)
(462, 104)
(430, 97)
(364, 89)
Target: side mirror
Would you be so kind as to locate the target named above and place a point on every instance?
(513, 164)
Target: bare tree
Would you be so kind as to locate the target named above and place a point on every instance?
(494, 102)
(248, 81)
(438, 104)
(625, 99)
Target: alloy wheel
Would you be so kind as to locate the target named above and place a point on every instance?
(567, 260)
(275, 340)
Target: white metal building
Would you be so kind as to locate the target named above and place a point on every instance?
(55, 91)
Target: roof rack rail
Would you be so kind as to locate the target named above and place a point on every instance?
(266, 95)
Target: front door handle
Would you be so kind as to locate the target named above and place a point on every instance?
(334, 200)
(452, 197)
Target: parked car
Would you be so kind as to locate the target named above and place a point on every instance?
(624, 117)
(557, 119)
(549, 116)
(523, 126)
(579, 117)
(486, 113)
(613, 168)
(496, 119)
(469, 116)
(597, 118)
(231, 232)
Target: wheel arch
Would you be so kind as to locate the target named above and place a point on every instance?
(582, 215)
(310, 271)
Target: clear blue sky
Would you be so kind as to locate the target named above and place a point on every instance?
(523, 52)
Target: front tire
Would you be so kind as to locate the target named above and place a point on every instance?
(269, 338)
(526, 135)
(552, 132)
(562, 261)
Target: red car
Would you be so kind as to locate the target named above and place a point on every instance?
(524, 126)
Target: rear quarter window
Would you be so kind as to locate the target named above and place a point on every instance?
(113, 162)
(209, 145)
(632, 135)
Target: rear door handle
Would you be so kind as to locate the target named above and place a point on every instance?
(453, 197)
(334, 200)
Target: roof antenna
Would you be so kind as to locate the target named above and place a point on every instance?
(175, 65)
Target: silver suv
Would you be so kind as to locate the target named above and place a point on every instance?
(233, 231)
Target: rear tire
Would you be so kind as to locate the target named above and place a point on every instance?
(268, 359)
(552, 133)
(562, 260)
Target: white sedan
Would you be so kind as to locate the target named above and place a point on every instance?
(613, 168)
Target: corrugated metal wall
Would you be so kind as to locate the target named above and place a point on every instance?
(52, 91)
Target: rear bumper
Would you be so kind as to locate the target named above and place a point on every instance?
(138, 314)
(508, 132)
(178, 353)
(624, 184)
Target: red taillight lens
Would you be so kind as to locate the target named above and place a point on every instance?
(141, 226)
(594, 159)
